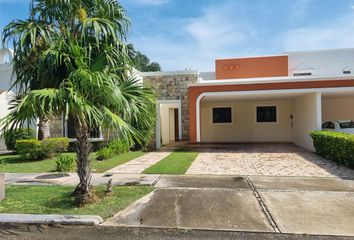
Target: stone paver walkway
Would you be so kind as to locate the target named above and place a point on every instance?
(139, 164)
(267, 160)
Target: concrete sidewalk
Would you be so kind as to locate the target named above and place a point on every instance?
(299, 205)
(72, 179)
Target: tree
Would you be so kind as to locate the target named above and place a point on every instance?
(142, 62)
(82, 72)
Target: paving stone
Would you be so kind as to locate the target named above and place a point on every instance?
(139, 164)
(266, 160)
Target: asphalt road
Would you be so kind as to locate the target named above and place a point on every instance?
(10, 232)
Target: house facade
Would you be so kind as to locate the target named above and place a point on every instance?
(278, 98)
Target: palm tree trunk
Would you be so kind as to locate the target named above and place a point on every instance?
(43, 129)
(83, 192)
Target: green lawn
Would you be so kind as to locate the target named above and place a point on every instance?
(176, 163)
(56, 200)
(14, 163)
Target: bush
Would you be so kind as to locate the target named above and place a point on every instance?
(30, 149)
(115, 147)
(119, 146)
(64, 163)
(54, 146)
(104, 153)
(335, 146)
(34, 149)
(11, 136)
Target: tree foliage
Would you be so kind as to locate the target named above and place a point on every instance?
(71, 59)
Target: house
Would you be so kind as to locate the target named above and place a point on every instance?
(5, 77)
(278, 98)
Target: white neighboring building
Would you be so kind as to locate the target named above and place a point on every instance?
(6, 56)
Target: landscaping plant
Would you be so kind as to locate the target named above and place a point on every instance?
(115, 147)
(335, 146)
(71, 59)
(12, 135)
(34, 149)
(64, 163)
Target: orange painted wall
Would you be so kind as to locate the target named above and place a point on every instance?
(195, 91)
(275, 66)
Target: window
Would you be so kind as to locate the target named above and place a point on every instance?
(344, 125)
(222, 115)
(347, 72)
(70, 130)
(266, 114)
(328, 125)
(302, 74)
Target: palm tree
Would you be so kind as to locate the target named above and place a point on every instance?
(82, 68)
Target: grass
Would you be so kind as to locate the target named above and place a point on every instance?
(14, 163)
(176, 163)
(56, 200)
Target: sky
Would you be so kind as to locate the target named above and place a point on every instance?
(191, 34)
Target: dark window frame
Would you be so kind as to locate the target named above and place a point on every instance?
(324, 126)
(276, 120)
(229, 118)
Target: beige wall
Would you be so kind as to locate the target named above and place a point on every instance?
(166, 120)
(338, 108)
(306, 111)
(172, 124)
(244, 127)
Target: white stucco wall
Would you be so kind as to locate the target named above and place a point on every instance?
(339, 108)
(5, 97)
(326, 62)
(306, 118)
(244, 127)
(5, 68)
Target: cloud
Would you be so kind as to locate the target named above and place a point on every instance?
(216, 29)
(336, 34)
(149, 2)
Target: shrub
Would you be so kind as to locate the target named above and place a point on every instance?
(30, 149)
(104, 153)
(54, 146)
(11, 136)
(119, 146)
(64, 163)
(115, 147)
(37, 150)
(335, 146)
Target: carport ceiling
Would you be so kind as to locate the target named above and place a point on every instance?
(252, 97)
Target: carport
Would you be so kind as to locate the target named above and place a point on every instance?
(285, 115)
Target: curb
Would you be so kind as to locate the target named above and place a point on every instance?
(87, 220)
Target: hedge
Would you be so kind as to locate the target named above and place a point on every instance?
(11, 136)
(335, 146)
(34, 149)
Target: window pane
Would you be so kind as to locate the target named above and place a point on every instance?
(94, 133)
(267, 114)
(222, 115)
(344, 125)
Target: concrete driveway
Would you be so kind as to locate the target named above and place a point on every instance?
(264, 159)
(255, 204)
